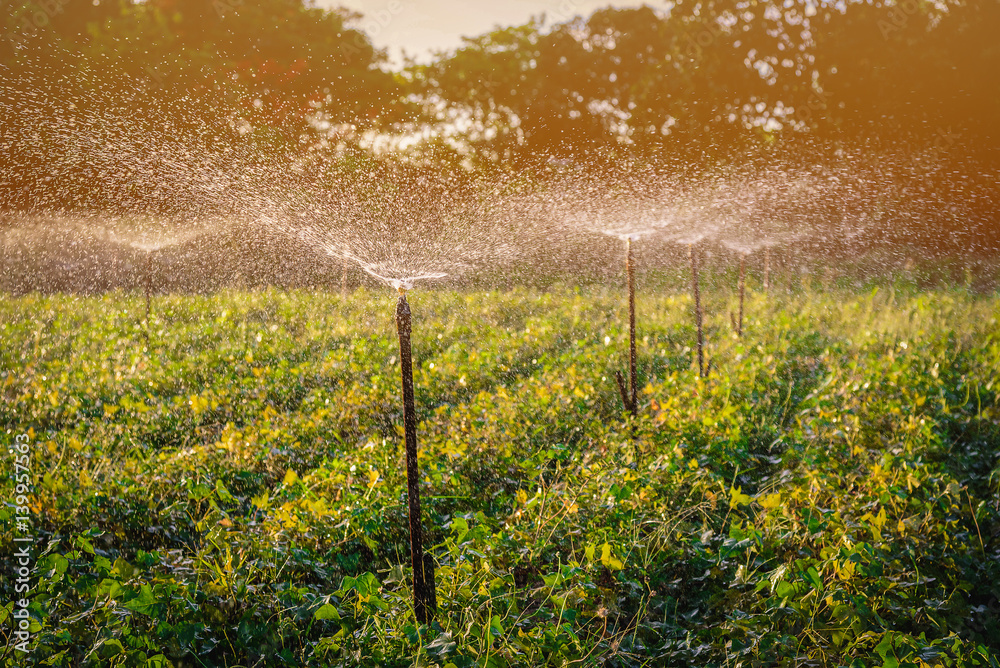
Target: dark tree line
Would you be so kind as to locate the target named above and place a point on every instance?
(690, 85)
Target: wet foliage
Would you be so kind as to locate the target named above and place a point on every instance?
(224, 484)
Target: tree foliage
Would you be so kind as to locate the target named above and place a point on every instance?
(693, 83)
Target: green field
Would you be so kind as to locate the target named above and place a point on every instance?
(231, 490)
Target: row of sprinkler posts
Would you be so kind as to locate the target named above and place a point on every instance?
(424, 590)
(628, 393)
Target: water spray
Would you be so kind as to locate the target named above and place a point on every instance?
(424, 593)
(697, 309)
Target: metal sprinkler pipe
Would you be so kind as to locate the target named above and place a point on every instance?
(629, 394)
(632, 374)
(767, 268)
(697, 309)
(424, 595)
(149, 280)
(743, 285)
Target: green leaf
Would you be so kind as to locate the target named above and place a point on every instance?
(85, 544)
(326, 611)
(110, 588)
(123, 569)
(223, 493)
(144, 602)
(553, 580)
(811, 575)
(884, 646)
(111, 647)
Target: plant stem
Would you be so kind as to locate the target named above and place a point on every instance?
(424, 599)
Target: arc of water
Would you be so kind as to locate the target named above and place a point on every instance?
(402, 284)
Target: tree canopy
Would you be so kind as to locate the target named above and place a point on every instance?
(687, 84)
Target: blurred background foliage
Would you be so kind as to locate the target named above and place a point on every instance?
(688, 85)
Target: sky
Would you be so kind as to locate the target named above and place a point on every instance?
(422, 26)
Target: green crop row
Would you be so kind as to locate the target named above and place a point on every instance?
(225, 484)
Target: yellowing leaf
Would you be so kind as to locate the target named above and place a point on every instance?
(875, 523)
(693, 464)
(609, 560)
(737, 498)
(588, 552)
(291, 477)
(198, 404)
(769, 501)
(372, 479)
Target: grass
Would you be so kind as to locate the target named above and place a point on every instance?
(231, 492)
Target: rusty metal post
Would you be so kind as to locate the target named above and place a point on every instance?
(697, 309)
(149, 282)
(632, 373)
(767, 269)
(743, 285)
(424, 598)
